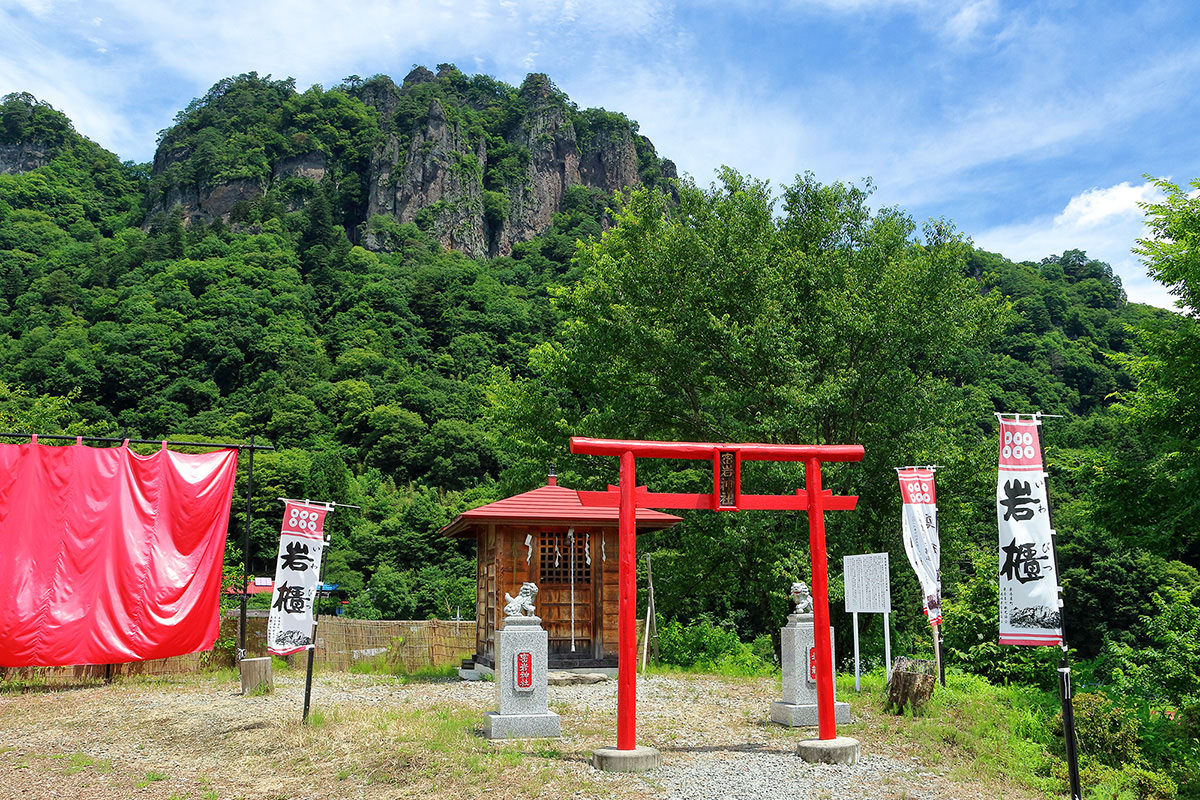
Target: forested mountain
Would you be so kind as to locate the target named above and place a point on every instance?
(416, 293)
(476, 163)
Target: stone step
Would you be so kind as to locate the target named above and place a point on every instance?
(559, 678)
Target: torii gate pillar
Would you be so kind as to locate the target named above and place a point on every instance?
(726, 496)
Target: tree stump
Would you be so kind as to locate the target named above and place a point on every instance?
(911, 684)
(256, 675)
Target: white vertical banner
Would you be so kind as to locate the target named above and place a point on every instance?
(1030, 612)
(920, 533)
(297, 575)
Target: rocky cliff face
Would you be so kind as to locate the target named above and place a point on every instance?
(438, 173)
(206, 202)
(431, 164)
(16, 159)
(441, 175)
(535, 197)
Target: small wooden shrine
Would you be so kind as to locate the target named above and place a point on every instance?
(547, 536)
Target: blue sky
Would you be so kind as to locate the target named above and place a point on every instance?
(1030, 125)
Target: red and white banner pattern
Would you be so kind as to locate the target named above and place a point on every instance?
(919, 521)
(297, 571)
(1030, 612)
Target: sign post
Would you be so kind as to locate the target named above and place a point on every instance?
(869, 591)
(727, 495)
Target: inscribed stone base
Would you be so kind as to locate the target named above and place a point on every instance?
(521, 726)
(798, 708)
(521, 684)
(521, 635)
(805, 715)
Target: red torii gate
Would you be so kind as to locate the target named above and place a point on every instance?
(726, 496)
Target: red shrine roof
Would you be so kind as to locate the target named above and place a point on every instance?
(550, 505)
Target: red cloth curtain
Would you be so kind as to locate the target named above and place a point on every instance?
(110, 556)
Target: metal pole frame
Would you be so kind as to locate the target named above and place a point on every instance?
(241, 653)
(1066, 695)
(312, 646)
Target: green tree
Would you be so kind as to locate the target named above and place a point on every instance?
(1166, 403)
(717, 320)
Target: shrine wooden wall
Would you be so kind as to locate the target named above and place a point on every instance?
(505, 561)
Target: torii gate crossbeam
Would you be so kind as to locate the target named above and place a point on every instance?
(726, 496)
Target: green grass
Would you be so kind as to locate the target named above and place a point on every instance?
(380, 665)
(975, 731)
(151, 777)
(319, 717)
(81, 761)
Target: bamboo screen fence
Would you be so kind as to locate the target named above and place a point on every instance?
(397, 645)
(403, 646)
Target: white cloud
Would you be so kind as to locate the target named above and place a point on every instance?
(39, 8)
(1115, 204)
(105, 62)
(959, 21)
(1103, 222)
(962, 25)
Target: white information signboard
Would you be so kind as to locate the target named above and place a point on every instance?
(869, 591)
(868, 584)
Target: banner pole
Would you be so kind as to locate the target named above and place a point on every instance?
(937, 654)
(652, 613)
(312, 645)
(1064, 665)
(887, 645)
(571, 544)
(246, 553)
(646, 637)
(940, 643)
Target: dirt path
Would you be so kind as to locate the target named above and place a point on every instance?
(199, 739)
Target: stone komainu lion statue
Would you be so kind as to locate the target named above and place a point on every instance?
(801, 598)
(523, 602)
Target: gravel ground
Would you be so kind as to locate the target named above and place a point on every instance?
(210, 742)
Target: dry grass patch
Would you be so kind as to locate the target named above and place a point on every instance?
(372, 736)
(368, 736)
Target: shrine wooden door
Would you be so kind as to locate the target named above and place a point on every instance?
(566, 598)
(485, 596)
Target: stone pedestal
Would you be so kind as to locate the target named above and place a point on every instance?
(520, 675)
(798, 709)
(839, 750)
(256, 675)
(640, 759)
